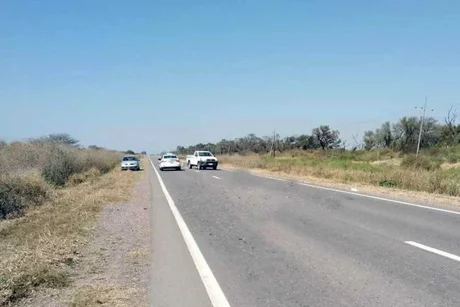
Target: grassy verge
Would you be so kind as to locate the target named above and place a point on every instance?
(38, 248)
(381, 168)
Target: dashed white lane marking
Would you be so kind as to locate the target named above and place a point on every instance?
(216, 177)
(197, 171)
(434, 250)
(367, 196)
(215, 293)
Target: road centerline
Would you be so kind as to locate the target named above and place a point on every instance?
(215, 293)
(434, 250)
(216, 177)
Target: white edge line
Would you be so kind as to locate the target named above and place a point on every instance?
(381, 198)
(274, 178)
(216, 177)
(215, 293)
(434, 250)
(365, 195)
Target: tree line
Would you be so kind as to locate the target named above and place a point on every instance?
(401, 135)
(404, 134)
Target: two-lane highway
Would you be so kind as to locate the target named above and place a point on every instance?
(274, 242)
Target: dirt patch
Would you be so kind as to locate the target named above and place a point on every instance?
(113, 269)
(394, 162)
(450, 165)
(422, 198)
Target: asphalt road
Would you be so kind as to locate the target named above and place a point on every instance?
(279, 243)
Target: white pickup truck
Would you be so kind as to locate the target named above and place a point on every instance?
(202, 160)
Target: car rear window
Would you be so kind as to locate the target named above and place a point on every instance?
(170, 157)
(129, 159)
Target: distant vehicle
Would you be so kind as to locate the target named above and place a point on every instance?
(202, 160)
(170, 161)
(130, 162)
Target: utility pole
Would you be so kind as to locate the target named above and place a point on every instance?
(422, 120)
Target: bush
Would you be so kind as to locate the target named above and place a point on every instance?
(452, 158)
(421, 162)
(19, 193)
(60, 166)
(387, 183)
(89, 175)
(103, 161)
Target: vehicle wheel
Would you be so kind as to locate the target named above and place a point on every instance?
(189, 165)
(214, 167)
(178, 169)
(161, 169)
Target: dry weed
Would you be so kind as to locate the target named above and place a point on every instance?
(40, 246)
(98, 295)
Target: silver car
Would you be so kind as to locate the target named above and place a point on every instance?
(130, 162)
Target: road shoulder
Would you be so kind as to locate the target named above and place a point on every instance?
(175, 279)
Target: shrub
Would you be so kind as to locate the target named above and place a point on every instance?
(89, 175)
(421, 162)
(18, 193)
(102, 160)
(387, 183)
(60, 166)
(452, 158)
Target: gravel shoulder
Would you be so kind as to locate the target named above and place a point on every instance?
(113, 269)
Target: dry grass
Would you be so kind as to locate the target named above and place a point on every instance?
(18, 157)
(22, 164)
(113, 296)
(415, 175)
(38, 248)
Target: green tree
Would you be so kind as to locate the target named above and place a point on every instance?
(369, 140)
(384, 136)
(325, 137)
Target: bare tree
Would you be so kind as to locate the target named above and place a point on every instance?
(356, 143)
(451, 131)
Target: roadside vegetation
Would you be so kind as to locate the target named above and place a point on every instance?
(384, 157)
(51, 190)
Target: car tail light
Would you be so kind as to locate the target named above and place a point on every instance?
(177, 160)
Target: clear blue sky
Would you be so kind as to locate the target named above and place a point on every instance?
(154, 74)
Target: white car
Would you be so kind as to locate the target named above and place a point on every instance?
(170, 161)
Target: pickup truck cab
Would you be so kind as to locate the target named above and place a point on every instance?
(202, 160)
